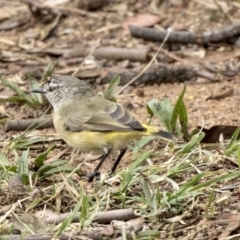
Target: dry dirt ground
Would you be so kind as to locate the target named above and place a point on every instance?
(34, 33)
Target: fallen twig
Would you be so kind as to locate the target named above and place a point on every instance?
(23, 124)
(133, 54)
(157, 73)
(112, 53)
(95, 236)
(96, 233)
(219, 36)
(100, 217)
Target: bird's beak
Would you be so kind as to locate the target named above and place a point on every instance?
(40, 90)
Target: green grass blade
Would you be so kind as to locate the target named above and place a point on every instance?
(142, 157)
(238, 156)
(223, 177)
(188, 187)
(68, 220)
(233, 145)
(54, 167)
(192, 143)
(22, 142)
(21, 94)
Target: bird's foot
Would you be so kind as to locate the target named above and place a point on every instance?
(92, 175)
(111, 172)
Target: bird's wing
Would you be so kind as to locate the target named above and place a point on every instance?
(101, 115)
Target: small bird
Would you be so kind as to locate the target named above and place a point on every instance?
(92, 124)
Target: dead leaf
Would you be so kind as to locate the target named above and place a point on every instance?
(231, 220)
(141, 20)
(7, 12)
(50, 28)
(28, 222)
(133, 225)
(226, 92)
(107, 230)
(47, 213)
(212, 135)
(15, 185)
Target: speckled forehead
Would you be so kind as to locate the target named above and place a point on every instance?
(54, 83)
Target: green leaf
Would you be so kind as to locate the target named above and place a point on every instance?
(238, 156)
(162, 110)
(24, 143)
(56, 166)
(183, 119)
(148, 234)
(49, 70)
(127, 178)
(176, 112)
(110, 92)
(44, 170)
(149, 109)
(61, 169)
(147, 192)
(84, 209)
(3, 159)
(23, 170)
(142, 157)
(5, 165)
(188, 186)
(42, 157)
(9, 168)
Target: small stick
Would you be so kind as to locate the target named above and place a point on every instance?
(133, 54)
(95, 233)
(185, 37)
(100, 217)
(111, 53)
(23, 124)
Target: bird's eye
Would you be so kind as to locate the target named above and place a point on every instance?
(50, 89)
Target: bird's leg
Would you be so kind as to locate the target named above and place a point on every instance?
(95, 171)
(118, 161)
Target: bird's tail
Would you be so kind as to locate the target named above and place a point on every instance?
(162, 134)
(165, 135)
